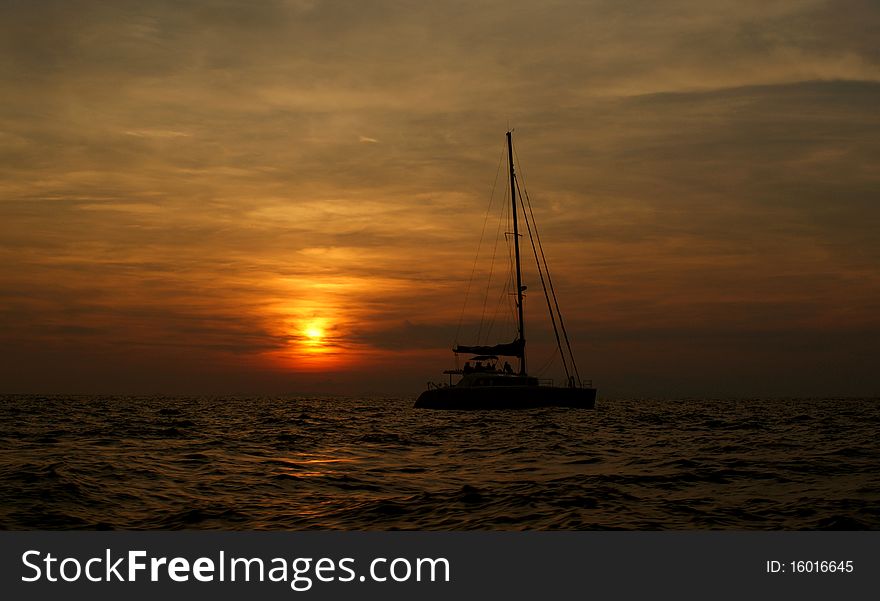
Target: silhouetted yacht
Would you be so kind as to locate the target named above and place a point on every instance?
(482, 382)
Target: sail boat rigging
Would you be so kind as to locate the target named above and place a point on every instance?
(488, 387)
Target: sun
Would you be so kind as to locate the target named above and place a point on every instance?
(314, 333)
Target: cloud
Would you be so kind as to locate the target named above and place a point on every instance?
(185, 175)
(156, 133)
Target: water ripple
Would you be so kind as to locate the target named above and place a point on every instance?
(304, 463)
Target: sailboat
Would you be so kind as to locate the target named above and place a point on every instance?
(481, 383)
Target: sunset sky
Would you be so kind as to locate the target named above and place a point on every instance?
(287, 196)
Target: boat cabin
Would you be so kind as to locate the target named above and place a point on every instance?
(485, 370)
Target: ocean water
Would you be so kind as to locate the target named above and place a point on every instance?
(367, 464)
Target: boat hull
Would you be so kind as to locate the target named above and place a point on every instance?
(506, 397)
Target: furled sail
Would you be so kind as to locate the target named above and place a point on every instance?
(510, 349)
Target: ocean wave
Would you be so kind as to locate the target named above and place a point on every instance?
(304, 463)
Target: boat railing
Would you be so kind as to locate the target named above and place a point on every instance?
(572, 383)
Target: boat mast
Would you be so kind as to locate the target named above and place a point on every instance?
(519, 286)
